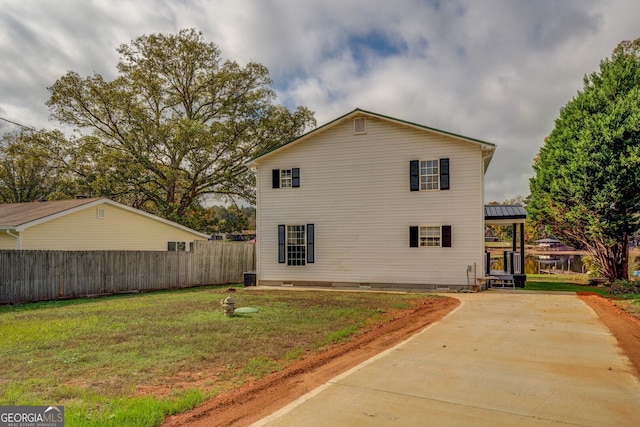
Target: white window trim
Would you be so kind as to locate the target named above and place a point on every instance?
(434, 176)
(359, 125)
(286, 178)
(302, 245)
(426, 236)
(185, 247)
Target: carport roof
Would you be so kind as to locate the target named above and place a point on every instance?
(504, 213)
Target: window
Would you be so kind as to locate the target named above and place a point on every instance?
(100, 213)
(286, 178)
(296, 244)
(359, 125)
(428, 175)
(176, 246)
(430, 236)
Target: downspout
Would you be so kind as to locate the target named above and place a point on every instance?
(17, 237)
(487, 155)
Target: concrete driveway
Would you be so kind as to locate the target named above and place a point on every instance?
(500, 359)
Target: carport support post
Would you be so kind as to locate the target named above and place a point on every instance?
(522, 259)
(488, 264)
(512, 260)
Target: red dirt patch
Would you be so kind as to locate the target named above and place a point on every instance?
(624, 326)
(253, 401)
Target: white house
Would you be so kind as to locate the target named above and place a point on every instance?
(372, 201)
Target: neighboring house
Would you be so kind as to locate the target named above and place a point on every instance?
(490, 235)
(552, 244)
(372, 201)
(89, 224)
(549, 243)
(242, 236)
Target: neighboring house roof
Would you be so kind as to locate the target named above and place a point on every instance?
(13, 215)
(489, 147)
(495, 213)
(547, 240)
(21, 216)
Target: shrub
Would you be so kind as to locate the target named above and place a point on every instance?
(621, 287)
(591, 265)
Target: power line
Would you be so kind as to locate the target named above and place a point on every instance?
(17, 124)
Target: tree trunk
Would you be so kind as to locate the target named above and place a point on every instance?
(615, 261)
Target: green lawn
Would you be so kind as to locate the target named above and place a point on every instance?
(562, 282)
(558, 286)
(578, 283)
(131, 360)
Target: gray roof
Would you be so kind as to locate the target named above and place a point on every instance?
(16, 214)
(19, 216)
(495, 212)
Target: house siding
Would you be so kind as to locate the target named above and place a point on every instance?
(6, 241)
(355, 190)
(118, 230)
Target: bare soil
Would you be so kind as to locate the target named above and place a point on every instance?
(251, 402)
(254, 401)
(624, 326)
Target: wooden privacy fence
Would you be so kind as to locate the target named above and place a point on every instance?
(27, 276)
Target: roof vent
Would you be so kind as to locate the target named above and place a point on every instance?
(360, 125)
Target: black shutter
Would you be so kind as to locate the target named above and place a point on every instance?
(414, 175)
(446, 236)
(311, 244)
(444, 174)
(282, 237)
(413, 236)
(295, 177)
(275, 178)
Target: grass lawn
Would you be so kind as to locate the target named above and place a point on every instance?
(563, 282)
(578, 283)
(630, 305)
(131, 360)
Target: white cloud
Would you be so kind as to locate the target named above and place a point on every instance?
(497, 70)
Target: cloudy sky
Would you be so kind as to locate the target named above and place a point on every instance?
(496, 70)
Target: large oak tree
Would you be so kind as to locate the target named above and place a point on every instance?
(586, 188)
(175, 126)
(34, 165)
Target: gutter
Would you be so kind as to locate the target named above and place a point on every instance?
(487, 156)
(16, 236)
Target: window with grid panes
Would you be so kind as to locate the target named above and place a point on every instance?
(296, 245)
(429, 236)
(285, 178)
(429, 175)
